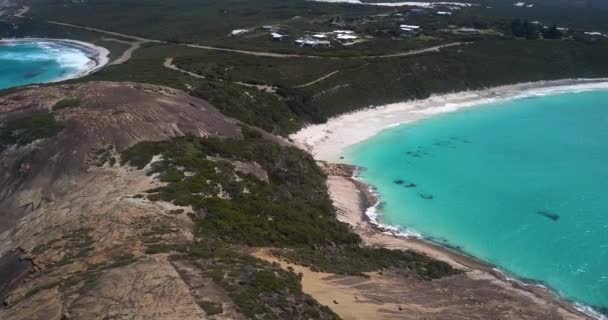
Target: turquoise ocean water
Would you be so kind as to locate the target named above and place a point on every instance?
(23, 63)
(522, 184)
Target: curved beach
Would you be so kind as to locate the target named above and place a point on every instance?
(355, 203)
(98, 56)
(329, 140)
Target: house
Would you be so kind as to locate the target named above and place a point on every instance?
(309, 42)
(346, 37)
(594, 34)
(237, 32)
(410, 28)
(344, 31)
(277, 36)
(320, 36)
(443, 13)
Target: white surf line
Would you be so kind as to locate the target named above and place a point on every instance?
(97, 61)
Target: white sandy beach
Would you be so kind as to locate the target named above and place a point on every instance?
(98, 56)
(328, 141)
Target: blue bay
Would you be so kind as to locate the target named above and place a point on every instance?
(32, 62)
(521, 184)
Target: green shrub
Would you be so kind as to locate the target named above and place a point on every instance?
(293, 208)
(211, 308)
(24, 129)
(66, 103)
(355, 260)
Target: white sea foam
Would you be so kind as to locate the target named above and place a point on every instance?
(590, 311)
(77, 57)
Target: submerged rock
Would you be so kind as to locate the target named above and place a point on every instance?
(547, 214)
(426, 196)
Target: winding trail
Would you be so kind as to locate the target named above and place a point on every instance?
(128, 53)
(168, 63)
(318, 80)
(21, 12)
(262, 53)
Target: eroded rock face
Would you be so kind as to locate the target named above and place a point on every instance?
(79, 218)
(107, 116)
(147, 289)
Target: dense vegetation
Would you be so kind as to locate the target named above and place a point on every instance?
(24, 129)
(356, 260)
(232, 208)
(259, 289)
(66, 103)
(292, 208)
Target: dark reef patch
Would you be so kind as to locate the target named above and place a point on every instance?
(426, 196)
(547, 214)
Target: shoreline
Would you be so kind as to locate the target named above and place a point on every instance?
(98, 56)
(327, 142)
(353, 203)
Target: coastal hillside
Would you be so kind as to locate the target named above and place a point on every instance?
(163, 159)
(136, 201)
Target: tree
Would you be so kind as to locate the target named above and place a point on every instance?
(531, 30)
(552, 33)
(517, 28)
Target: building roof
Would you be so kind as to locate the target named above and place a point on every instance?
(346, 37)
(238, 31)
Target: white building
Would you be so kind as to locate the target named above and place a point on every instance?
(278, 36)
(346, 37)
(237, 32)
(309, 42)
(344, 31)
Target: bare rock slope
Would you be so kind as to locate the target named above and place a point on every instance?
(72, 213)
